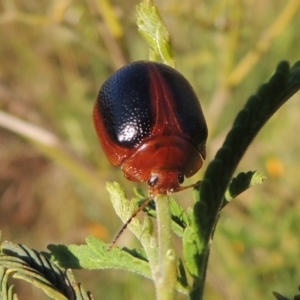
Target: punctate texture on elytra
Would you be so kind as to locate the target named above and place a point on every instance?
(150, 122)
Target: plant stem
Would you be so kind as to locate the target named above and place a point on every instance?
(163, 225)
(166, 273)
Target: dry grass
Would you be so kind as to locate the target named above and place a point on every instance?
(54, 55)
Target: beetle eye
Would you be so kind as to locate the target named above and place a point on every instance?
(180, 178)
(152, 180)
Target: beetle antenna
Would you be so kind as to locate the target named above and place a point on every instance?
(194, 185)
(140, 208)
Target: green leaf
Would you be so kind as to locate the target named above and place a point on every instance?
(180, 219)
(258, 109)
(241, 183)
(80, 292)
(35, 260)
(137, 253)
(153, 29)
(123, 207)
(191, 250)
(182, 274)
(94, 256)
(279, 297)
(35, 268)
(209, 199)
(39, 281)
(6, 290)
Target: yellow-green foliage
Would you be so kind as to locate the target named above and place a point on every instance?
(55, 54)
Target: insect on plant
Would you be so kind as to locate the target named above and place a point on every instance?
(149, 121)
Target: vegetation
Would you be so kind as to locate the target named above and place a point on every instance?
(54, 57)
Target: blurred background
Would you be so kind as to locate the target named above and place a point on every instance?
(54, 56)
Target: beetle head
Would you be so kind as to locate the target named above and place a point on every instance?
(165, 182)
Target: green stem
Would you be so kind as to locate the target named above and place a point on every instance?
(209, 199)
(197, 291)
(149, 244)
(163, 225)
(166, 275)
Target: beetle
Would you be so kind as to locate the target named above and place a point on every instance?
(149, 121)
